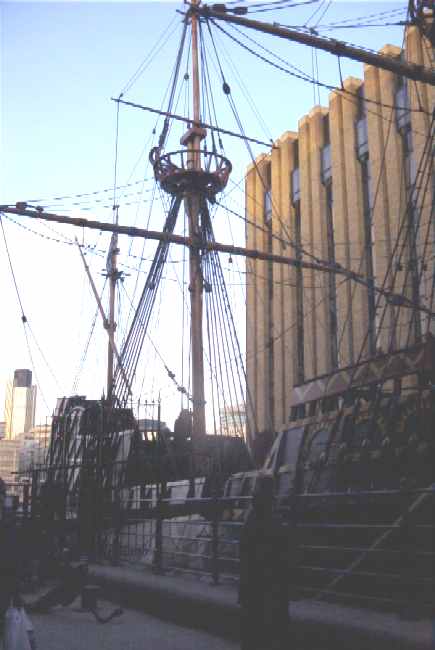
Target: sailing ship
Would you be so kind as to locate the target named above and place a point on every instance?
(359, 440)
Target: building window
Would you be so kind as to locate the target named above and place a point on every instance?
(325, 152)
(403, 121)
(267, 194)
(362, 153)
(295, 153)
(325, 163)
(362, 136)
(326, 178)
(268, 206)
(325, 127)
(299, 291)
(410, 166)
(332, 288)
(362, 139)
(299, 278)
(269, 342)
(403, 115)
(270, 263)
(413, 261)
(295, 185)
(368, 250)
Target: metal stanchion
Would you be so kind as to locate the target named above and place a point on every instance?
(158, 536)
(215, 541)
(26, 500)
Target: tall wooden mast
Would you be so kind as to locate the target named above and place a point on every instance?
(113, 276)
(194, 175)
(192, 139)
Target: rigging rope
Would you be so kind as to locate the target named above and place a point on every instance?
(180, 388)
(86, 348)
(356, 21)
(232, 377)
(24, 320)
(131, 349)
(393, 266)
(115, 171)
(291, 243)
(365, 252)
(49, 200)
(302, 75)
(226, 88)
(157, 47)
(164, 133)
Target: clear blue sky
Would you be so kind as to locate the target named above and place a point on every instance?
(60, 64)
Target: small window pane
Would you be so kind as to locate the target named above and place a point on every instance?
(408, 141)
(296, 188)
(326, 162)
(268, 205)
(403, 115)
(362, 143)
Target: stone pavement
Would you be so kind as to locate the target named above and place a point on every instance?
(69, 628)
(196, 603)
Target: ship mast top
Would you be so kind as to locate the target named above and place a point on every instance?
(195, 176)
(113, 274)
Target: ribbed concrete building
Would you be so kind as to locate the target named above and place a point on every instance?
(338, 190)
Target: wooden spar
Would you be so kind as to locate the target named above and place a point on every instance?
(239, 251)
(187, 120)
(106, 321)
(395, 65)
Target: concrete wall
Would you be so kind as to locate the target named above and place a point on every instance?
(273, 335)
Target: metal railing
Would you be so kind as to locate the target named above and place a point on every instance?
(362, 559)
(17, 500)
(372, 548)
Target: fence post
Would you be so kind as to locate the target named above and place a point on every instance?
(117, 528)
(158, 536)
(410, 591)
(215, 541)
(26, 497)
(34, 506)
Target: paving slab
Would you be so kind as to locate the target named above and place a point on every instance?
(197, 603)
(71, 628)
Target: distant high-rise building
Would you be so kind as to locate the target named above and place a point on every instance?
(33, 447)
(42, 434)
(233, 421)
(9, 458)
(20, 404)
